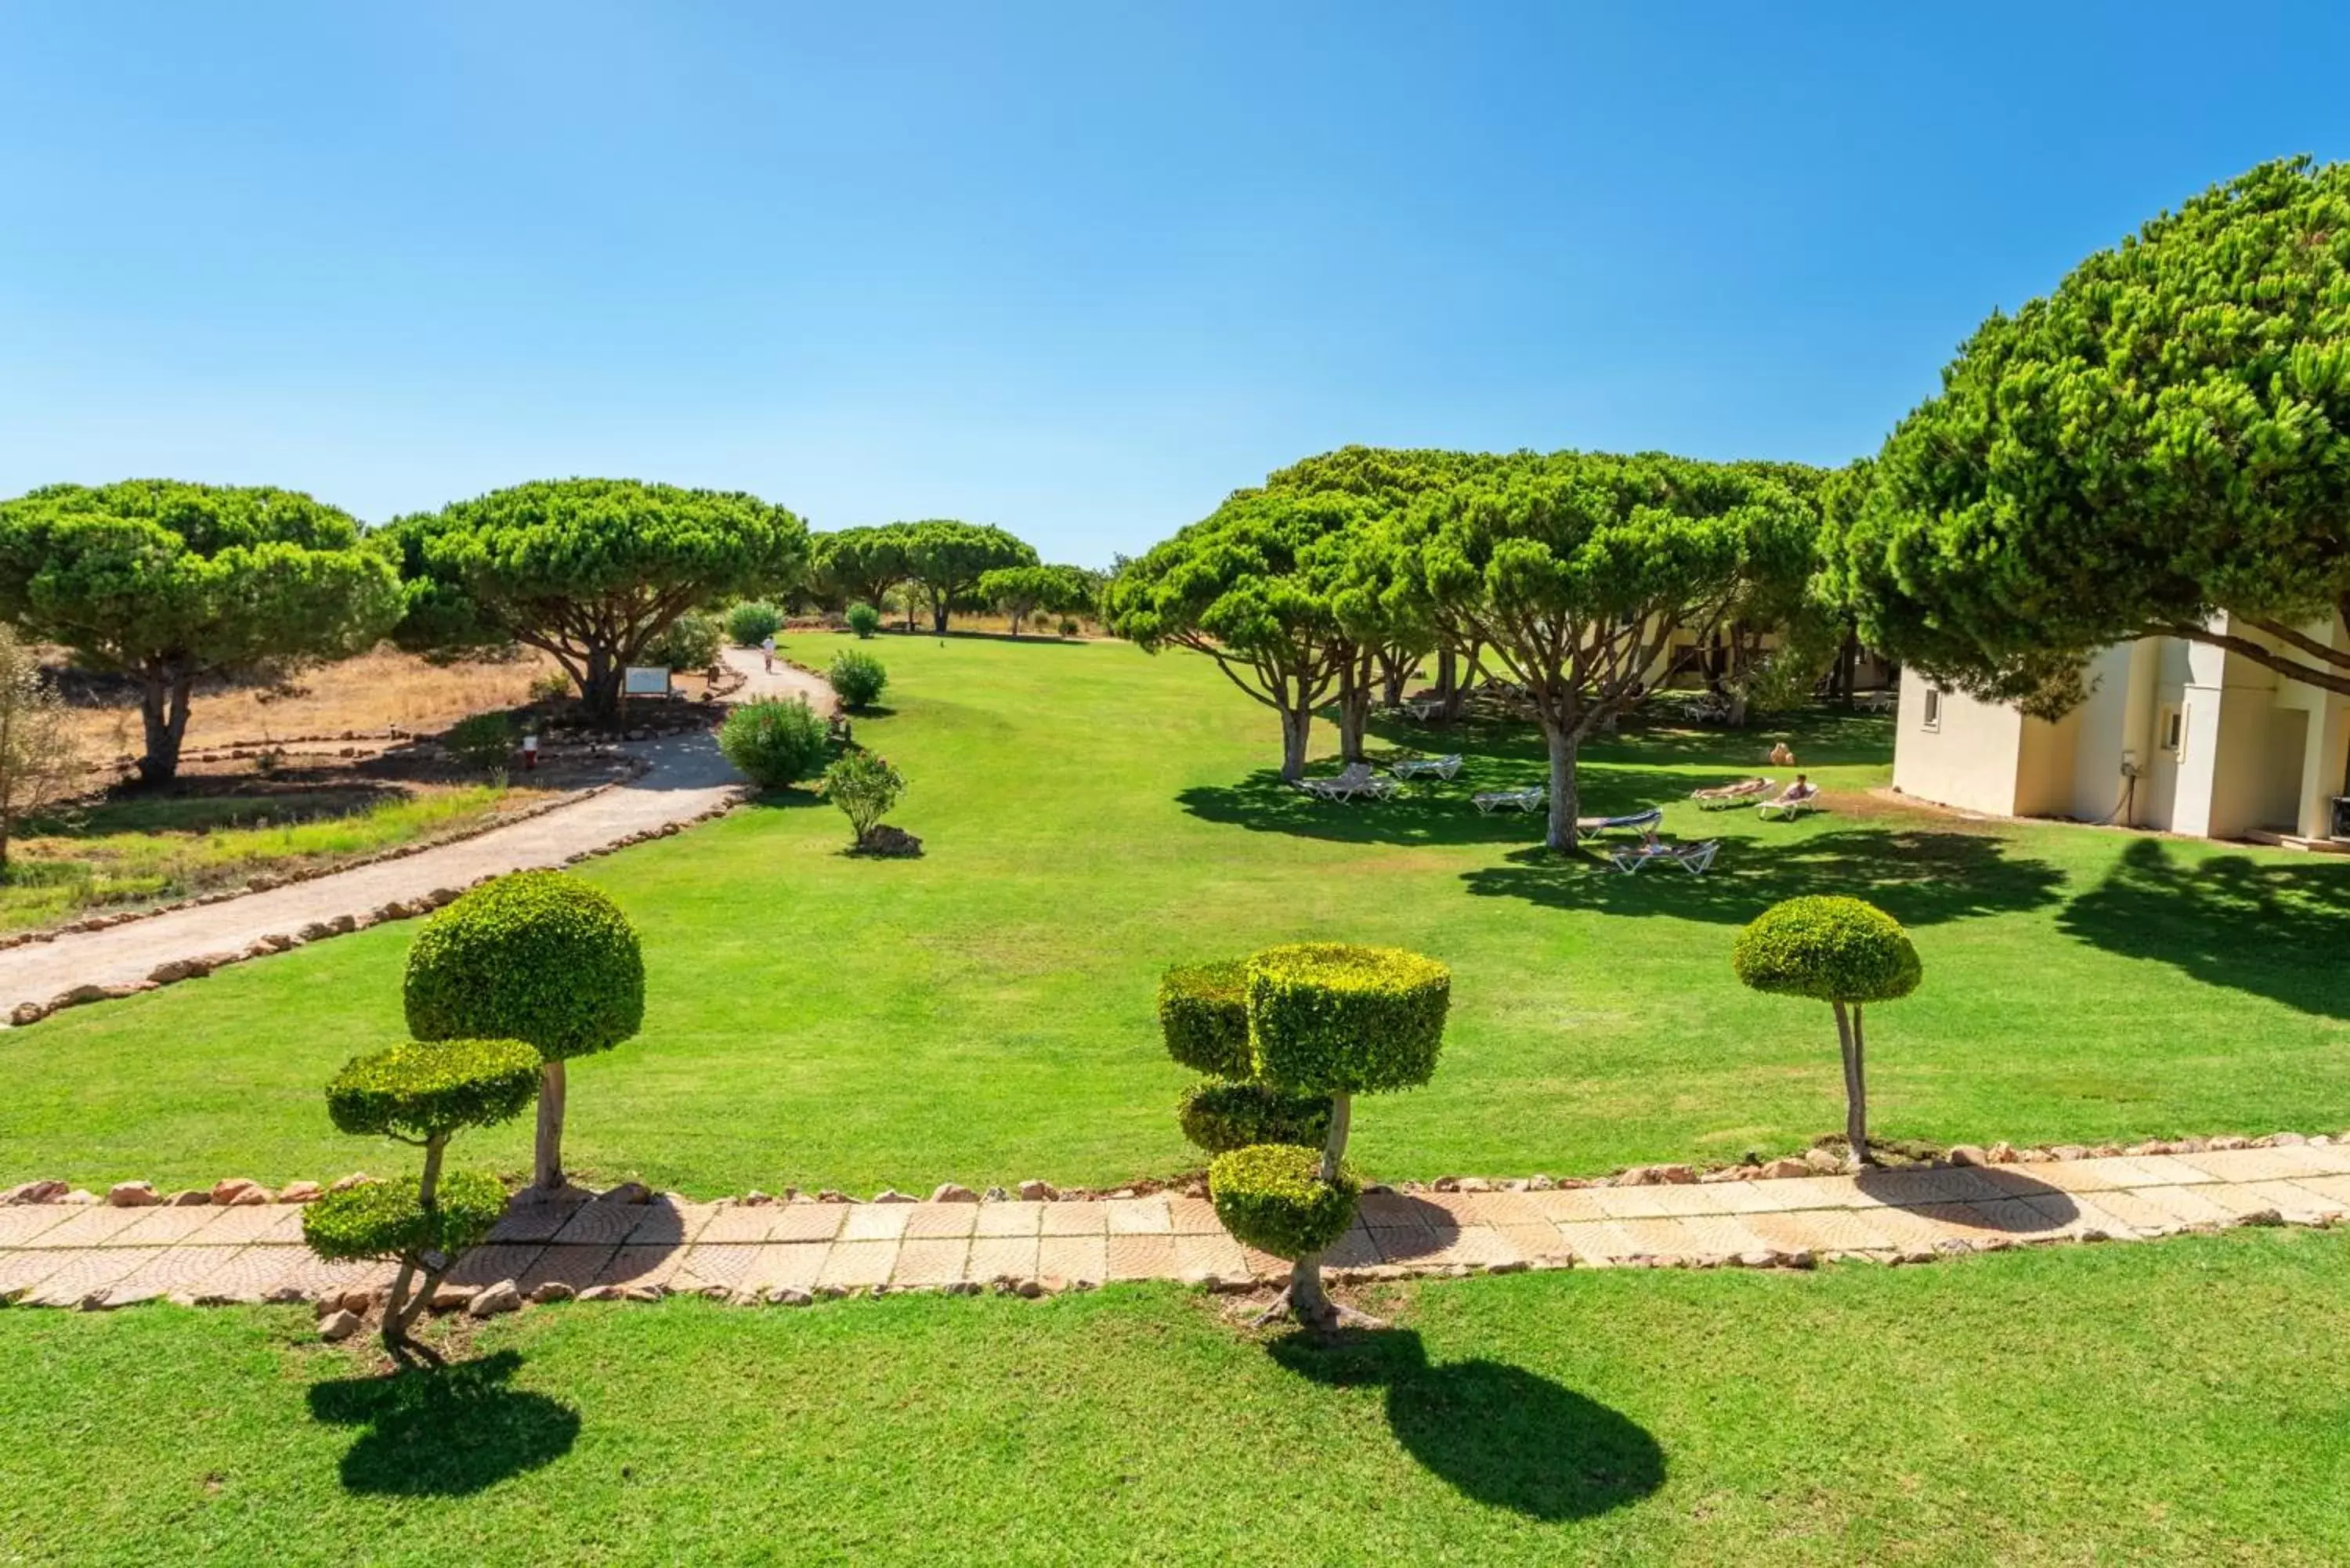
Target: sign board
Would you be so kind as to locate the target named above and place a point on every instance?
(645, 680)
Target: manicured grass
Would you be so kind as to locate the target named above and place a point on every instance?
(145, 850)
(2177, 1402)
(1090, 814)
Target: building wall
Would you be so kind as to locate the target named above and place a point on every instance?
(1969, 760)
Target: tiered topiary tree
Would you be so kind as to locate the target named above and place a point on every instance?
(1845, 952)
(1334, 1020)
(1203, 1016)
(420, 1094)
(537, 956)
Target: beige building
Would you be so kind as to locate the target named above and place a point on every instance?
(2174, 735)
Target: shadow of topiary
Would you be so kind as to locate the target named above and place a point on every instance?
(444, 1434)
(1497, 1434)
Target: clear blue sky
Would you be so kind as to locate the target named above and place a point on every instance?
(1079, 270)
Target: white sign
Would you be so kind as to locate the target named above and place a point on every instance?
(645, 680)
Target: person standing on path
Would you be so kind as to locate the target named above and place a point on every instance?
(767, 651)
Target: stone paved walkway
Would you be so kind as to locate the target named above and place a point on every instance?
(95, 1256)
(687, 778)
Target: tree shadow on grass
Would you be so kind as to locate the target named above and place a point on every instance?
(449, 1433)
(2277, 929)
(1497, 1434)
(1920, 876)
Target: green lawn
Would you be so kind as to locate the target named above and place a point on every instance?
(2179, 1402)
(984, 1013)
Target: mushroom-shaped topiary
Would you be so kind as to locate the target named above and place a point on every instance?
(1338, 1020)
(1842, 952)
(537, 956)
(1220, 1117)
(420, 1094)
(1275, 1198)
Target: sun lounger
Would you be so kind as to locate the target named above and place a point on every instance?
(1696, 859)
(1796, 800)
(1593, 826)
(1427, 767)
(1533, 797)
(1353, 782)
(1721, 795)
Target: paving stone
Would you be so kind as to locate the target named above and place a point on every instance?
(1014, 1219)
(568, 1264)
(19, 1226)
(1569, 1206)
(2329, 1160)
(598, 1224)
(530, 1218)
(1736, 1197)
(1083, 1257)
(1641, 1202)
(930, 1261)
(644, 1267)
(1148, 1256)
(1139, 1216)
(1821, 1230)
(1355, 1249)
(172, 1271)
(1596, 1242)
(87, 1272)
(2152, 1170)
(1197, 1254)
(1410, 1243)
(1541, 1242)
(2186, 1204)
(1197, 1216)
(168, 1226)
(940, 1222)
(20, 1271)
(875, 1221)
(487, 1265)
(1477, 1245)
(722, 1265)
(2015, 1217)
(662, 1223)
(806, 1221)
(1791, 1192)
(90, 1227)
(1721, 1235)
(857, 1264)
(250, 1274)
(2238, 1198)
(785, 1266)
(1498, 1208)
(1389, 1210)
(1075, 1220)
(2247, 1164)
(271, 1224)
(1917, 1189)
(739, 1225)
(1001, 1257)
(1264, 1266)
(1906, 1230)
(2072, 1175)
(2296, 1200)
(2336, 1188)
(2120, 1212)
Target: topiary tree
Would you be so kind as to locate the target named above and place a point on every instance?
(1203, 1018)
(1325, 1019)
(1845, 952)
(857, 678)
(1222, 1116)
(537, 956)
(776, 742)
(420, 1094)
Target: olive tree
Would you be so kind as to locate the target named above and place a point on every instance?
(420, 1094)
(592, 571)
(171, 583)
(1845, 952)
(538, 956)
(1323, 1019)
(2159, 447)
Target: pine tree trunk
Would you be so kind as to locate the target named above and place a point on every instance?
(1563, 802)
(163, 699)
(549, 1159)
(1295, 726)
(1354, 712)
(599, 688)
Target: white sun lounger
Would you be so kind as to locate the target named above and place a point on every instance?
(1696, 859)
(1533, 797)
(1427, 767)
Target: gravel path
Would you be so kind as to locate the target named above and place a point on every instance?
(91, 1254)
(686, 779)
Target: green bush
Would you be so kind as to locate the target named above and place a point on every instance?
(858, 676)
(1272, 1196)
(429, 1088)
(485, 740)
(775, 742)
(691, 641)
(550, 686)
(864, 620)
(1341, 1019)
(1204, 1013)
(538, 956)
(751, 622)
(1829, 948)
(1219, 1117)
(865, 786)
(384, 1220)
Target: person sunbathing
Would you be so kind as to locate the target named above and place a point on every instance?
(1737, 791)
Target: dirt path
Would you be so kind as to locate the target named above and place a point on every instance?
(687, 778)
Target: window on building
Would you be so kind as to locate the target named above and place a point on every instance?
(2172, 732)
(1933, 719)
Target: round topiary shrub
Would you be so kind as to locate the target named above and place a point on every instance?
(776, 744)
(538, 956)
(864, 620)
(386, 1220)
(1220, 1117)
(426, 1089)
(1842, 952)
(1829, 948)
(1272, 1196)
(858, 677)
(1341, 1019)
(1203, 1014)
(751, 622)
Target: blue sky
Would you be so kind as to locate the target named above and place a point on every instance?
(1079, 270)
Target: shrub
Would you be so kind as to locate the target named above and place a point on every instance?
(1347, 1020)
(1203, 1014)
(1069, 628)
(864, 620)
(1272, 1197)
(866, 787)
(485, 740)
(550, 686)
(776, 743)
(1844, 952)
(384, 1218)
(751, 622)
(858, 676)
(1220, 1117)
(538, 956)
(426, 1088)
(691, 641)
